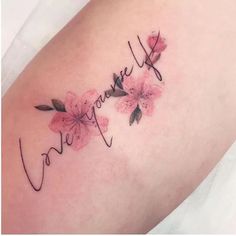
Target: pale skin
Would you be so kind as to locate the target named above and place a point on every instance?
(151, 167)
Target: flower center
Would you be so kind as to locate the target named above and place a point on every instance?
(77, 119)
(139, 96)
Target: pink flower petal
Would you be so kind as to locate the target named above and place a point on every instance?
(147, 106)
(151, 91)
(72, 103)
(103, 124)
(87, 100)
(130, 85)
(159, 45)
(81, 137)
(60, 122)
(141, 81)
(126, 104)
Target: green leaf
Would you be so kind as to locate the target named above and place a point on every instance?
(117, 81)
(116, 93)
(138, 114)
(58, 105)
(131, 118)
(44, 108)
(135, 115)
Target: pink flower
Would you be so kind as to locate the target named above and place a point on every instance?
(156, 43)
(74, 121)
(140, 92)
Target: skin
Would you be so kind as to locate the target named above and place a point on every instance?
(152, 167)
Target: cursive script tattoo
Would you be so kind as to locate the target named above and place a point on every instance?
(75, 119)
(138, 94)
(45, 161)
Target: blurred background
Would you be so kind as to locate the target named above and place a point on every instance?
(27, 25)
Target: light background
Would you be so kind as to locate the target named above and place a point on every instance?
(27, 25)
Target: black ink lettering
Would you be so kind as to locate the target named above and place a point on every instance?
(59, 106)
(26, 171)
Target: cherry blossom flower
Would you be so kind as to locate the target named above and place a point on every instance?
(156, 43)
(141, 94)
(77, 121)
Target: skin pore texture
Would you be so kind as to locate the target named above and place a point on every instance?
(76, 163)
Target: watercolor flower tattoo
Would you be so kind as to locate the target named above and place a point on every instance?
(138, 94)
(157, 44)
(74, 119)
(140, 97)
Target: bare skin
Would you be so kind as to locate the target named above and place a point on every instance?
(151, 167)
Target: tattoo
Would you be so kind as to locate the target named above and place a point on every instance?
(75, 119)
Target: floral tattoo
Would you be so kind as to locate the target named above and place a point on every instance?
(75, 119)
(138, 94)
(139, 97)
